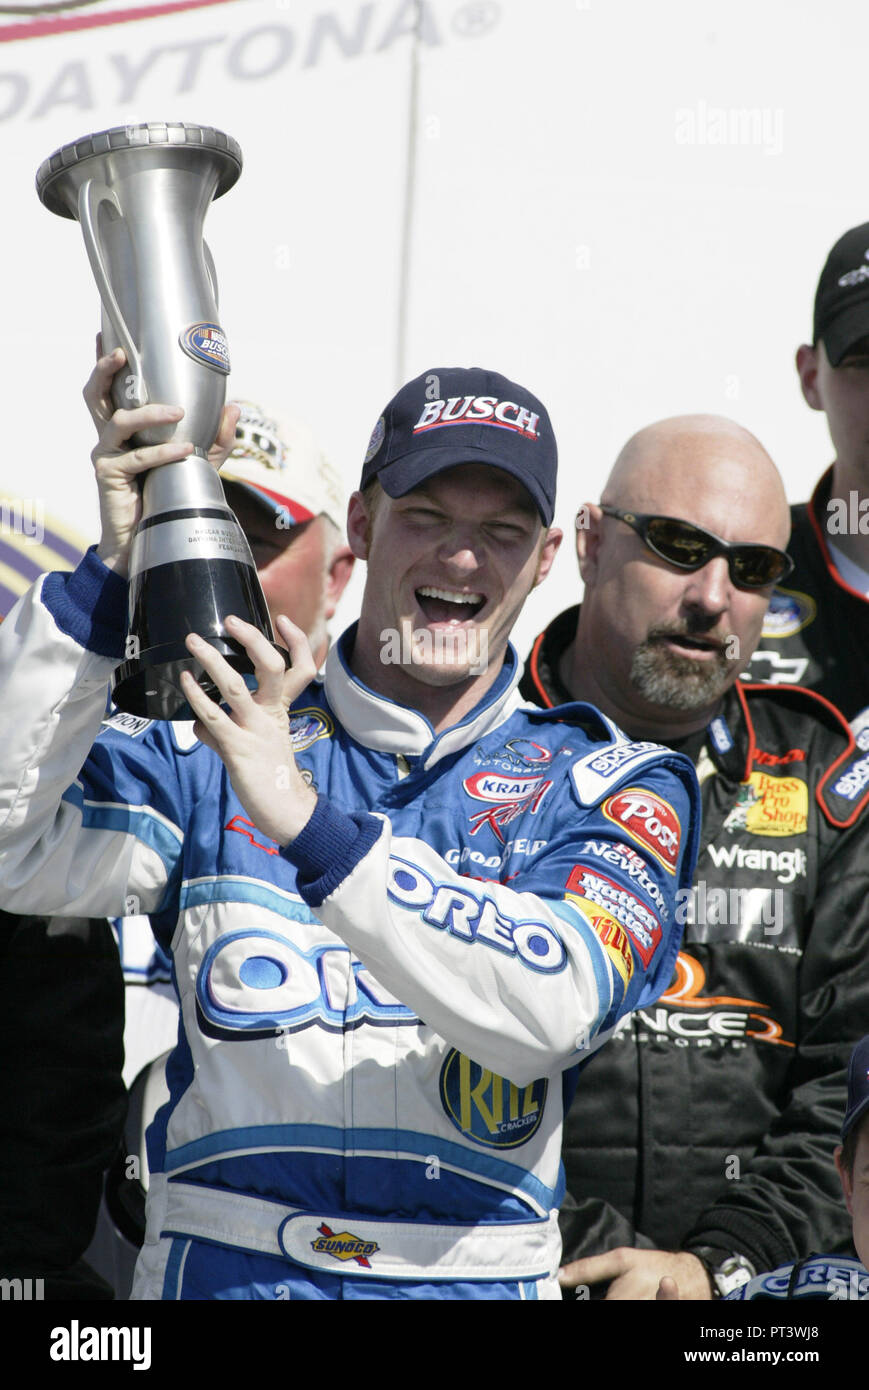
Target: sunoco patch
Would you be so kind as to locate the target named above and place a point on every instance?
(206, 342)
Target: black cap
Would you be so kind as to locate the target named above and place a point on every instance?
(842, 296)
(858, 1087)
(453, 415)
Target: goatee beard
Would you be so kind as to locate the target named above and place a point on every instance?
(663, 677)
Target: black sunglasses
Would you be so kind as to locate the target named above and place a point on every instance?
(690, 547)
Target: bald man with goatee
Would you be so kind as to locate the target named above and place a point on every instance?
(699, 1147)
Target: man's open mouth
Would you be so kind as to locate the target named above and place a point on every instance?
(448, 605)
(691, 643)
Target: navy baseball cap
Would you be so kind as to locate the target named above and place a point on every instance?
(453, 415)
(858, 1087)
(842, 296)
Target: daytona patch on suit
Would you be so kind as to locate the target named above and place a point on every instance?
(732, 1086)
(327, 1134)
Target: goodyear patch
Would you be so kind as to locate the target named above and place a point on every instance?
(768, 805)
(486, 1107)
(789, 612)
(206, 342)
(307, 726)
(343, 1245)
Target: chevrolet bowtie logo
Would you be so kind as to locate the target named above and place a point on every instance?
(344, 1246)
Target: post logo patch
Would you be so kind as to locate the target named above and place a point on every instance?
(648, 819)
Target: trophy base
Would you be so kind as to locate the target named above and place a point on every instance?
(150, 685)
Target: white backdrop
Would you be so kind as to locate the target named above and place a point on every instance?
(624, 206)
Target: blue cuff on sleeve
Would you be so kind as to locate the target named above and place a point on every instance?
(329, 848)
(90, 605)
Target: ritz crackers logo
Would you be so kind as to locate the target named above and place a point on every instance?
(344, 1246)
(486, 1107)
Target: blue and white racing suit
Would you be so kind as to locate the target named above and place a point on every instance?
(379, 1024)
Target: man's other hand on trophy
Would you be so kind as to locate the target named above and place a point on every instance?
(118, 467)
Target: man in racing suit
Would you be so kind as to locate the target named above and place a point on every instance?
(816, 633)
(731, 1086)
(382, 967)
(828, 1276)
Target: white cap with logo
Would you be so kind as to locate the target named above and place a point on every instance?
(280, 464)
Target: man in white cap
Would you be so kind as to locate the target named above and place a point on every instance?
(291, 506)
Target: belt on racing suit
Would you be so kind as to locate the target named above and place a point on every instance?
(523, 1250)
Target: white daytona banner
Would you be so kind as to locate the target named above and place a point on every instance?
(608, 201)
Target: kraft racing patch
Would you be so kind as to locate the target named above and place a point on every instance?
(507, 798)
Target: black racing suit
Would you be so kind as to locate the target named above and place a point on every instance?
(816, 632)
(710, 1119)
(62, 1096)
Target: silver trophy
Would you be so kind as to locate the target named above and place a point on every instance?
(140, 194)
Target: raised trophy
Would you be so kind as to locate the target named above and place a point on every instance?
(140, 194)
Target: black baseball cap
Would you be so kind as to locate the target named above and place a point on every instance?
(452, 415)
(842, 296)
(858, 1087)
